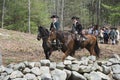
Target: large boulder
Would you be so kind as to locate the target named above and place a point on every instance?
(26, 70)
(116, 69)
(36, 71)
(52, 65)
(45, 62)
(8, 70)
(60, 65)
(85, 69)
(58, 74)
(116, 76)
(30, 76)
(16, 74)
(46, 76)
(44, 69)
(96, 76)
(70, 58)
(2, 68)
(106, 69)
(76, 76)
(68, 72)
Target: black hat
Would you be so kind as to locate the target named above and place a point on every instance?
(74, 17)
(54, 16)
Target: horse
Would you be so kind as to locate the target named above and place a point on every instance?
(43, 34)
(72, 44)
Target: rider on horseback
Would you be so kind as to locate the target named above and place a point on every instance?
(55, 24)
(77, 28)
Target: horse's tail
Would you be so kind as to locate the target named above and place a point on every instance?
(97, 49)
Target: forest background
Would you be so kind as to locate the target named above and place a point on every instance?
(26, 15)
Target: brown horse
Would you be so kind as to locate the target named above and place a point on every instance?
(70, 43)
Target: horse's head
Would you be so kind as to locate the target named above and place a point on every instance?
(42, 33)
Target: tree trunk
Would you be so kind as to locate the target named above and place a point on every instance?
(29, 30)
(3, 11)
(62, 14)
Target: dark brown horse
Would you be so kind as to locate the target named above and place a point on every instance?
(71, 44)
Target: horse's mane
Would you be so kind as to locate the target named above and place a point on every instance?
(43, 31)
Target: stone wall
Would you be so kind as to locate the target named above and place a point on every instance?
(87, 68)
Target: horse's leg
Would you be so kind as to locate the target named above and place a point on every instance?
(47, 54)
(72, 53)
(92, 51)
(65, 55)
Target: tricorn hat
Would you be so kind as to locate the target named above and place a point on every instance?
(74, 17)
(54, 16)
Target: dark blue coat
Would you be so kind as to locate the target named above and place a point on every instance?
(55, 25)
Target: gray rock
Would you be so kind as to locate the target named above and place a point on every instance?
(36, 71)
(10, 65)
(26, 63)
(70, 58)
(76, 76)
(114, 60)
(2, 68)
(96, 67)
(58, 74)
(116, 69)
(16, 67)
(19, 79)
(37, 64)
(84, 58)
(116, 76)
(1, 77)
(8, 70)
(106, 70)
(52, 65)
(67, 62)
(108, 63)
(39, 77)
(84, 62)
(46, 76)
(16, 74)
(68, 73)
(92, 58)
(76, 62)
(117, 56)
(31, 65)
(73, 67)
(30, 76)
(26, 70)
(6, 78)
(44, 69)
(96, 76)
(45, 62)
(92, 76)
(60, 66)
(3, 74)
(19, 66)
(85, 69)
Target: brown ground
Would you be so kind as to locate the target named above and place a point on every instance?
(16, 47)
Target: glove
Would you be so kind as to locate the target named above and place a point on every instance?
(76, 32)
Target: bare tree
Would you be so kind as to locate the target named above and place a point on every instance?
(62, 14)
(3, 10)
(29, 16)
